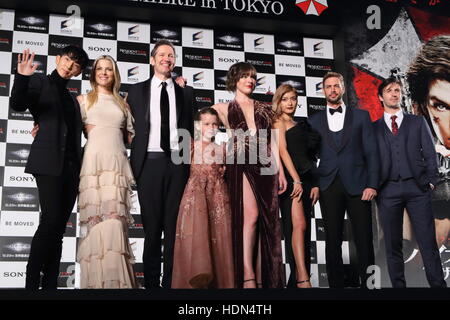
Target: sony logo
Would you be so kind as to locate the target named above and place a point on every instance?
(14, 274)
(99, 49)
(231, 60)
(21, 179)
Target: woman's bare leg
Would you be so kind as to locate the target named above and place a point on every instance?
(442, 231)
(298, 242)
(249, 240)
(258, 265)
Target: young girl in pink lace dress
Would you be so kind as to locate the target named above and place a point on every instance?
(203, 254)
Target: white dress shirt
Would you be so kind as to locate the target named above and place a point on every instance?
(387, 119)
(336, 121)
(154, 140)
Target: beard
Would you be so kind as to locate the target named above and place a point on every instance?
(336, 100)
(393, 107)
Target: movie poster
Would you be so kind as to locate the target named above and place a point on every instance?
(414, 45)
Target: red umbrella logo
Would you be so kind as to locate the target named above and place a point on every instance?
(314, 7)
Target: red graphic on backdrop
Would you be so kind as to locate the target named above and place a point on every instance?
(429, 25)
(366, 87)
(430, 2)
(313, 7)
(426, 25)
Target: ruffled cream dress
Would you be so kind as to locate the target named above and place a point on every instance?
(104, 253)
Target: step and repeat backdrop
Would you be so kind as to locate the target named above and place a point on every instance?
(203, 57)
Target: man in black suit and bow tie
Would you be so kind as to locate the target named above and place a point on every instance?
(408, 176)
(160, 108)
(348, 178)
(55, 154)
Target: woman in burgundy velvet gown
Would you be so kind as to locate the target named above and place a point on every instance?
(254, 183)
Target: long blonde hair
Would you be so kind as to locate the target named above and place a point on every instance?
(92, 96)
(279, 93)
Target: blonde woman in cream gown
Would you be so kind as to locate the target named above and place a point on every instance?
(104, 253)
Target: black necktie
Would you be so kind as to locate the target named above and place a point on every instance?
(165, 129)
(332, 111)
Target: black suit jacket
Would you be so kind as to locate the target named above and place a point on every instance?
(356, 159)
(39, 94)
(139, 101)
(420, 150)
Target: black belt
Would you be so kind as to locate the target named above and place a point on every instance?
(161, 154)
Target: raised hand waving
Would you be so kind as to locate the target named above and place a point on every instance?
(25, 63)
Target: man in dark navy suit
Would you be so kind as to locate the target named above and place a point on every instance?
(408, 176)
(348, 177)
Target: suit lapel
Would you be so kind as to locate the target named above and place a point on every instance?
(78, 123)
(54, 90)
(405, 128)
(348, 125)
(146, 101)
(405, 122)
(383, 131)
(179, 101)
(77, 112)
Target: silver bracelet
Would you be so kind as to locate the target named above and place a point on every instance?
(298, 182)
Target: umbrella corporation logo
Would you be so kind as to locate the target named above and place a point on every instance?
(312, 7)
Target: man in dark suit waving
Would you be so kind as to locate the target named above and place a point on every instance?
(408, 176)
(55, 154)
(348, 178)
(160, 108)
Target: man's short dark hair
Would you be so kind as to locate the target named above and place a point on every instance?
(431, 63)
(332, 74)
(76, 54)
(160, 43)
(387, 82)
